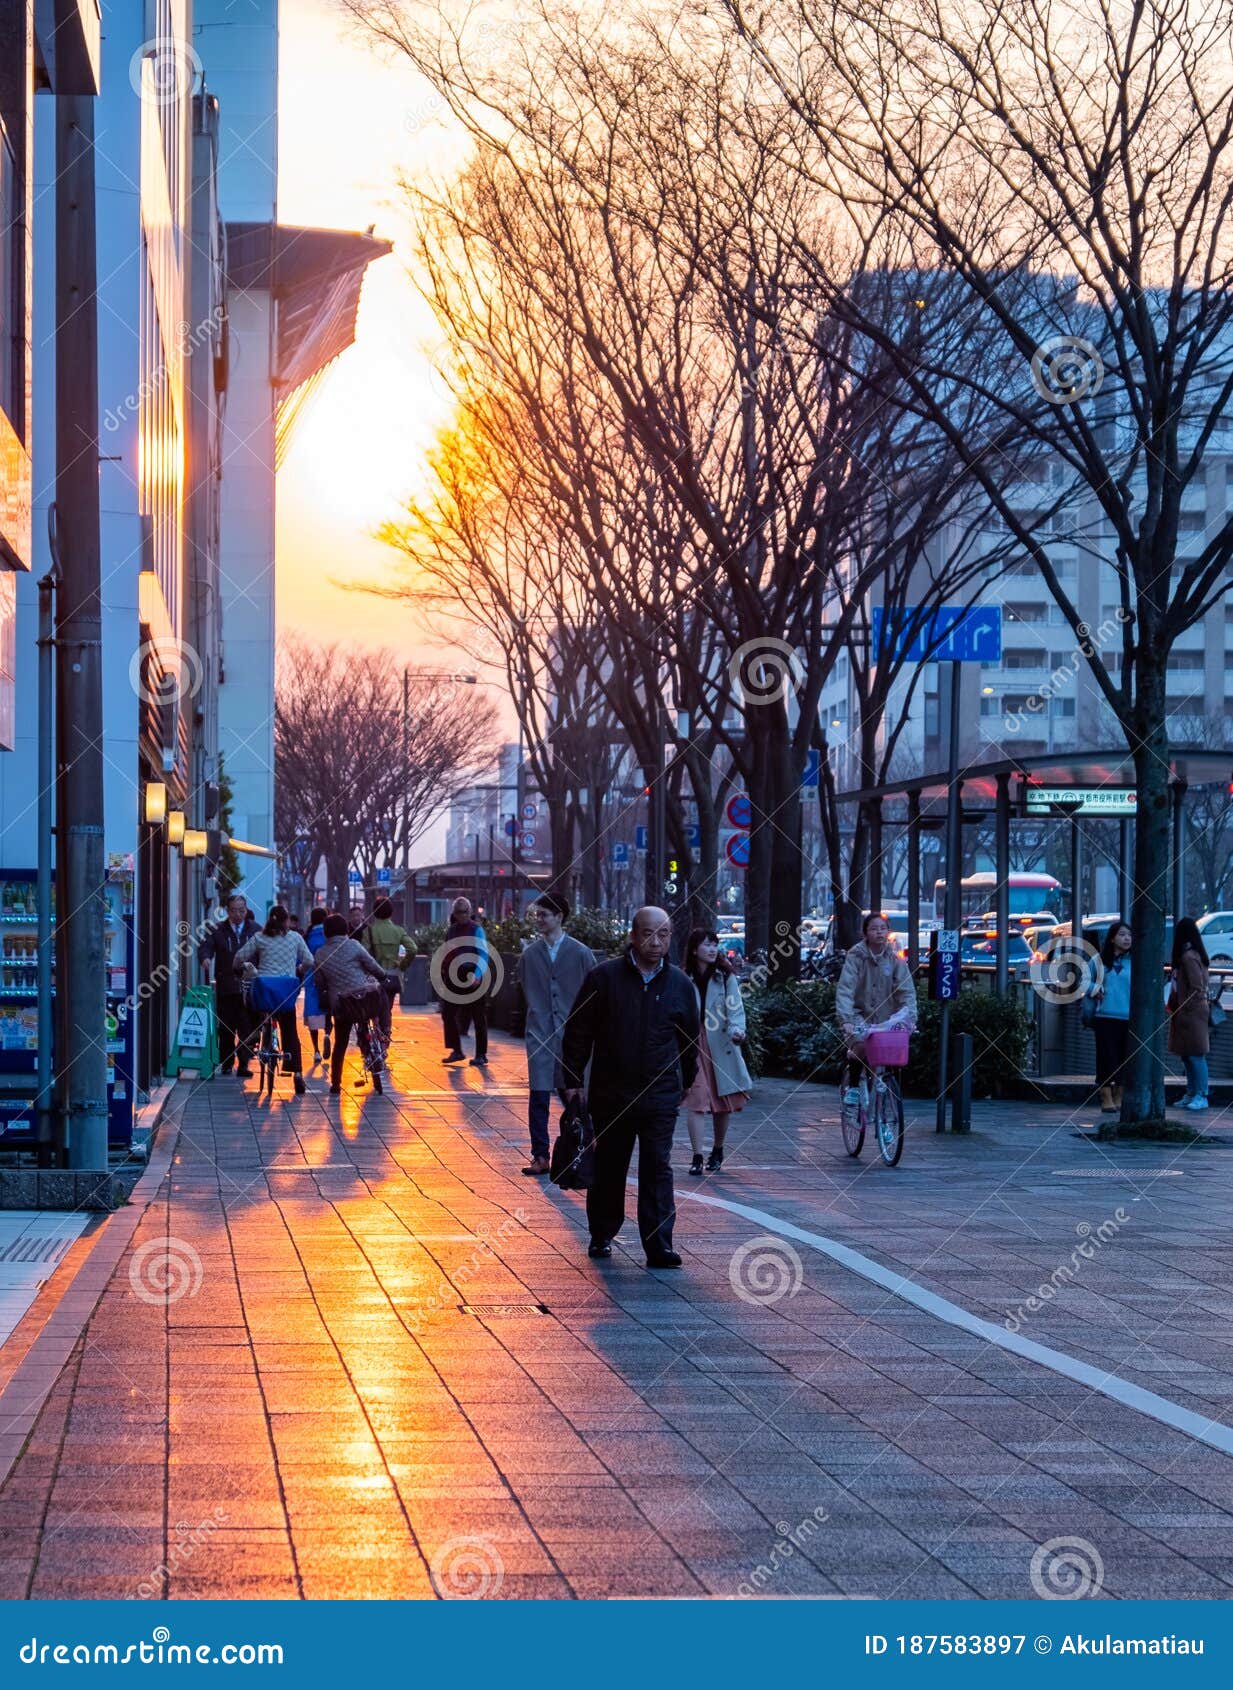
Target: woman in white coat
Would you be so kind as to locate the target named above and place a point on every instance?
(722, 1085)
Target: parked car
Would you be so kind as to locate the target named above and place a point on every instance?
(983, 948)
(1217, 930)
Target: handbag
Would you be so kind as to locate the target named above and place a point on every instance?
(572, 1167)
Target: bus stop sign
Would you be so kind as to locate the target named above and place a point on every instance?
(944, 965)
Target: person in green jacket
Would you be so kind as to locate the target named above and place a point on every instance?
(390, 945)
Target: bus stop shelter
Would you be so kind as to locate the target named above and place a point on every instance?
(1000, 789)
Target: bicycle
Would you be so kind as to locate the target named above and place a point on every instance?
(879, 1098)
(366, 1018)
(266, 997)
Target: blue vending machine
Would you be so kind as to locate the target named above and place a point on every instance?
(19, 1001)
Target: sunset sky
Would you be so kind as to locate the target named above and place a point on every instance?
(349, 123)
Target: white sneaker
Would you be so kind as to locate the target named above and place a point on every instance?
(851, 1098)
(1196, 1105)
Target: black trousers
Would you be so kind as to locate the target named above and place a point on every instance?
(1112, 1046)
(234, 1029)
(457, 1020)
(649, 1125)
(289, 1040)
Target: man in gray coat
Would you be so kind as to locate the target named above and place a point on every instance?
(551, 972)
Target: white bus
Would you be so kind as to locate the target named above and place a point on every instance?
(1030, 894)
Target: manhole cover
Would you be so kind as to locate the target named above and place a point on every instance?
(1116, 1173)
(504, 1311)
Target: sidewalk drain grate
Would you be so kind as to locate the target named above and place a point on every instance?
(35, 1249)
(1116, 1173)
(504, 1311)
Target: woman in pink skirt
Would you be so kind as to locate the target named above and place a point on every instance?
(723, 1084)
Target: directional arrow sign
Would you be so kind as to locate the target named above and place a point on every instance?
(953, 633)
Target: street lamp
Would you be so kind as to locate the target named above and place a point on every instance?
(409, 675)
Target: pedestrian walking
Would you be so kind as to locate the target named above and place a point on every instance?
(393, 947)
(345, 972)
(316, 1013)
(216, 954)
(1107, 1012)
(722, 1084)
(1190, 1011)
(462, 965)
(636, 1022)
(551, 971)
(278, 953)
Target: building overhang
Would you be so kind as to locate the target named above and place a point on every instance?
(67, 34)
(314, 277)
(1193, 765)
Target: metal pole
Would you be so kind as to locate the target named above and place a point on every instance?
(954, 875)
(1076, 876)
(913, 881)
(875, 855)
(1126, 866)
(406, 796)
(1001, 851)
(80, 958)
(48, 1152)
(1179, 849)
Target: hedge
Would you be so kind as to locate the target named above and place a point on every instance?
(792, 1033)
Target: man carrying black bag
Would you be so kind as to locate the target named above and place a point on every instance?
(636, 1021)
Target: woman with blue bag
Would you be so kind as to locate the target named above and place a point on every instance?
(316, 1013)
(278, 956)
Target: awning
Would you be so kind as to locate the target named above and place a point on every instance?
(1196, 766)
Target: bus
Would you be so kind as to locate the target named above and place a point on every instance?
(1030, 894)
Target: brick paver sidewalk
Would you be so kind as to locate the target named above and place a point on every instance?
(350, 1351)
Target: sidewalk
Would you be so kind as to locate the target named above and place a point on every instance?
(350, 1351)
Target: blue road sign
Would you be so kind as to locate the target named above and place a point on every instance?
(737, 850)
(383, 877)
(944, 965)
(692, 832)
(640, 838)
(740, 810)
(813, 768)
(955, 633)
(620, 854)
(354, 877)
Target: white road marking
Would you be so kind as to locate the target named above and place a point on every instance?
(1198, 1426)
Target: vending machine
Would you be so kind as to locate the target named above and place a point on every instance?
(19, 1000)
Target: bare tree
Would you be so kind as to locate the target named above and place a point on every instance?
(355, 778)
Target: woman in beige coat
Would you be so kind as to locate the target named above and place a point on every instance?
(722, 1084)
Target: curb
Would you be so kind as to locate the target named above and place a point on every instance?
(23, 1396)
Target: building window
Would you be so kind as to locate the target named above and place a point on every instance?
(1061, 706)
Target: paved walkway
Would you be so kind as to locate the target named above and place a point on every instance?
(350, 1351)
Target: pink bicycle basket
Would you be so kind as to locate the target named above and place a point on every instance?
(888, 1049)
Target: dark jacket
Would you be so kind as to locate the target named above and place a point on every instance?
(219, 947)
(1188, 1024)
(641, 1037)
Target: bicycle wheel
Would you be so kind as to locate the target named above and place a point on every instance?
(888, 1116)
(851, 1117)
(269, 1065)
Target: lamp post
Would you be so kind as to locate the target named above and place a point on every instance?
(409, 675)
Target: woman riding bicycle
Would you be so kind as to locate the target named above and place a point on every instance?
(875, 989)
(354, 985)
(278, 956)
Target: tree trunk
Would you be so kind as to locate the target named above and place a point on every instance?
(1143, 1095)
(784, 954)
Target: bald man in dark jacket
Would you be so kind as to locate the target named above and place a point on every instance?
(636, 1021)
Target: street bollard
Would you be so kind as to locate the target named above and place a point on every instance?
(961, 1084)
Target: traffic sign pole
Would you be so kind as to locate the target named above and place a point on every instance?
(954, 875)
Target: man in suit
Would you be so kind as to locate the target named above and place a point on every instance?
(551, 971)
(217, 954)
(636, 1022)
